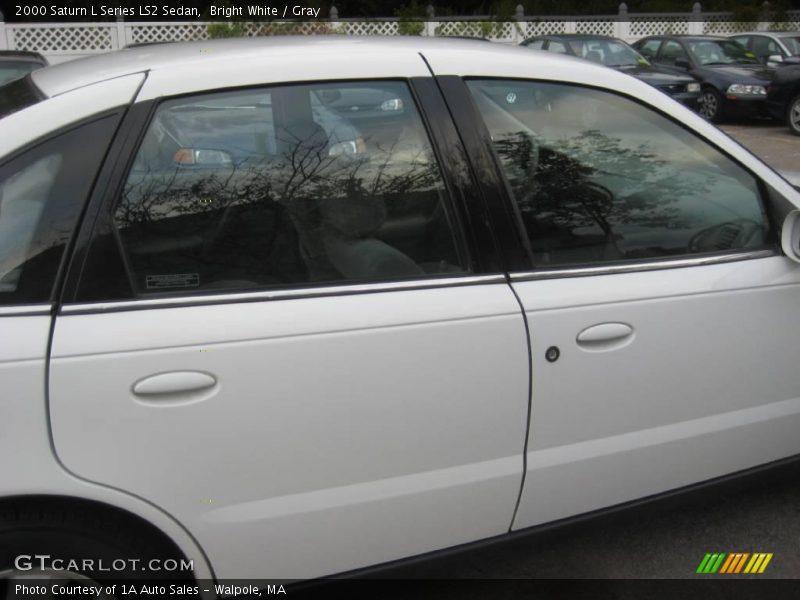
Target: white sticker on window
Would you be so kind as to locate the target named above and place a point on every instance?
(172, 280)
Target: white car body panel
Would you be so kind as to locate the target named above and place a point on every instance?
(593, 442)
(28, 465)
(348, 430)
(398, 414)
(21, 128)
(699, 390)
(203, 65)
(296, 64)
(27, 461)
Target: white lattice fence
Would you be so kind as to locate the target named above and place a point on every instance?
(498, 30)
(87, 38)
(643, 26)
(532, 28)
(61, 42)
(369, 28)
(289, 28)
(595, 27)
(722, 25)
(142, 33)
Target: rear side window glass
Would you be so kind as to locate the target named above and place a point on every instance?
(598, 177)
(18, 94)
(42, 192)
(764, 46)
(671, 52)
(606, 52)
(280, 186)
(650, 48)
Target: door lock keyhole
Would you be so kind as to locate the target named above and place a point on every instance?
(552, 354)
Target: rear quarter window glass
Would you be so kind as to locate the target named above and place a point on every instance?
(42, 192)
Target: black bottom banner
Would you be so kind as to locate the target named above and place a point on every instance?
(20, 588)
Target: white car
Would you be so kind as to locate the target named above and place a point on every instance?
(534, 289)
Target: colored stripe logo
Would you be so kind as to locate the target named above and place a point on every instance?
(734, 563)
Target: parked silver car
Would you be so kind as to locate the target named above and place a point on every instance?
(772, 47)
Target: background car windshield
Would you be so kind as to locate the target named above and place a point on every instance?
(607, 52)
(720, 52)
(14, 69)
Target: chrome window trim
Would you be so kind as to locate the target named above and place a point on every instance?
(281, 294)
(26, 310)
(584, 271)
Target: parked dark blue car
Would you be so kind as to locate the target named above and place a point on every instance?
(733, 80)
(783, 97)
(616, 54)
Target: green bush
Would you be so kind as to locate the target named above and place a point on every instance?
(226, 29)
(411, 19)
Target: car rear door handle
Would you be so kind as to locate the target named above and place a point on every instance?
(173, 383)
(605, 336)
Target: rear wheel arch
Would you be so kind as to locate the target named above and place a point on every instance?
(38, 517)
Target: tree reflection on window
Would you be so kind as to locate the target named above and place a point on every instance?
(631, 185)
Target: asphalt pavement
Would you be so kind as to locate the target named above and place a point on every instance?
(663, 543)
(770, 140)
(657, 543)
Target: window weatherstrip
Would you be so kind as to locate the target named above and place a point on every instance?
(25, 310)
(285, 294)
(640, 266)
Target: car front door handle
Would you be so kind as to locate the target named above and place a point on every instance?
(605, 336)
(173, 383)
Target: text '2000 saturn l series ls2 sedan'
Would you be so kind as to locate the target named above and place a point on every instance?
(286, 308)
